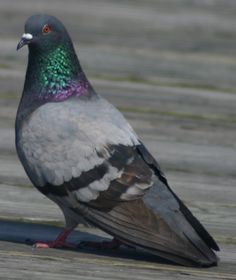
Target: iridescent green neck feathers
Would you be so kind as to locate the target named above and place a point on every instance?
(56, 69)
(57, 74)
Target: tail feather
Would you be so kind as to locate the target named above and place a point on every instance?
(136, 224)
(208, 239)
(198, 227)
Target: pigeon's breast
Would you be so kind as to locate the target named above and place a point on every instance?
(59, 141)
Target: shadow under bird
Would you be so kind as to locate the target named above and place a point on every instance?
(79, 151)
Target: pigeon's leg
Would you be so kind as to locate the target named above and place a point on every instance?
(113, 244)
(59, 242)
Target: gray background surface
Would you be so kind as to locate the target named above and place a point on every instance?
(170, 67)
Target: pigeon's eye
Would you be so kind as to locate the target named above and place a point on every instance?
(46, 29)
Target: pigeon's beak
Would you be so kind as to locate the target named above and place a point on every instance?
(25, 40)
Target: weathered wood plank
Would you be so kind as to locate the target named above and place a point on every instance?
(56, 264)
(140, 55)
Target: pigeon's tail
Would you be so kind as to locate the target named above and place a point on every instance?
(134, 223)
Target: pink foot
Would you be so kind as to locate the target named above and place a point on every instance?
(60, 241)
(53, 244)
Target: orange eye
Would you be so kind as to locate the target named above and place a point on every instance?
(46, 29)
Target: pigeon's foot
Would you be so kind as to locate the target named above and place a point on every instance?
(59, 242)
(113, 244)
(53, 244)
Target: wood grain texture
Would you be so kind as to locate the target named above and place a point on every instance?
(170, 67)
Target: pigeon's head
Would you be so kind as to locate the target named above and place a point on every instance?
(43, 33)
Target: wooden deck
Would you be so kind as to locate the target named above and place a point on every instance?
(170, 68)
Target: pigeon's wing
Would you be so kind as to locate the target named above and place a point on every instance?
(148, 158)
(94, 165)
(154, 218)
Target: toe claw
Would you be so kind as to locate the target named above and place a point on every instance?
(42, 245)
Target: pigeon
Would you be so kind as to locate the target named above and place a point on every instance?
(80, 152)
